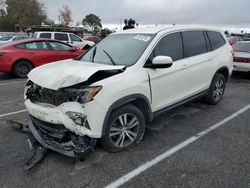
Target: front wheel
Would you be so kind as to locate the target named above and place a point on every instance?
(126, 127)
(217, 89)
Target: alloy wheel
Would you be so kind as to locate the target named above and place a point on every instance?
(218, 90)
(124, 130)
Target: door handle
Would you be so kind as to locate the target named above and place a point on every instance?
(184, 67)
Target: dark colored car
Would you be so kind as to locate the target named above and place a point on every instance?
(22, 56)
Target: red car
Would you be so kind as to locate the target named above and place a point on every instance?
(22, 56)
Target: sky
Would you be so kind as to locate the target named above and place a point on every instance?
(228, 13)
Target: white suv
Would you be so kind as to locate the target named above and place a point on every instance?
(69, 38)
(121, 83)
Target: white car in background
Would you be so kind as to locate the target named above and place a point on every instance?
(69, 38)
(242, 56)
(122, 83)
(8, 39)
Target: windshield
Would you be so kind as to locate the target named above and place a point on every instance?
(242, 47)
(119, 49)
(5, 38)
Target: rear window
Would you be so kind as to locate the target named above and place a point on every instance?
(216, 39)
(45, 35)
(194, 43)
(242, 47)
(61, 36)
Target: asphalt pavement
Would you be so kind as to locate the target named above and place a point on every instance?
(218, 159)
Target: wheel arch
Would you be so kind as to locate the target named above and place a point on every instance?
(224, 71)
(22, 59)
(138, 100)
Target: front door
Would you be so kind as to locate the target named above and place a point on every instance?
(169, 85)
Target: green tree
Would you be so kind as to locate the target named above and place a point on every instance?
(21, 13)
(65, 16)
(92, 21)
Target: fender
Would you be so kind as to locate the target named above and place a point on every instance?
(145, 107)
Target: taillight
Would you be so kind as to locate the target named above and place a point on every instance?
(241, 59)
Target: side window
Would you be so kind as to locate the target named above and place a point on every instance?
(17, 38)
(194, 43)
(45, 35)
(74, 38)
(37, 46)
(21, 46)
(61, 36)
(170, 45)
(59, 46)
(216, 39)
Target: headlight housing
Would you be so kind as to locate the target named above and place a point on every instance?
(82, 95)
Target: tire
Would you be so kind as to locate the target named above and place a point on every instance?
(22, 68)
(126, 127)
(217, 89)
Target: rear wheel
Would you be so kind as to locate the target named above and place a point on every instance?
(216, 90)
(126, 127)
(22, 68)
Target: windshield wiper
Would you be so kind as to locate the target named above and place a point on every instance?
(111, 59)
(94, 53)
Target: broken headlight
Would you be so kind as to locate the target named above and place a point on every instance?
(82, 95)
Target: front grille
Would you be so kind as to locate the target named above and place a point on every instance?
(50, 129)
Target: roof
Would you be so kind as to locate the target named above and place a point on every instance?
(157, 29)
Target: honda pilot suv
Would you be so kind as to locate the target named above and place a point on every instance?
(121, 83)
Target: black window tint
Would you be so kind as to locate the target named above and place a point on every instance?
(170, 45)
(61, 36)
(45, 35)
(194, 43)
(216, 39)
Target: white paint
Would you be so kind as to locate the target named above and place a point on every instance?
(12, 113)
(122, 180)
(9, 83)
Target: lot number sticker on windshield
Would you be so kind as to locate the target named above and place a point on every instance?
(142, 38)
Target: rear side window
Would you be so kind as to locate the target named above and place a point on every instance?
(216, 39)
(61, 36)
(194, 43)
(170, 45)
(37, 46)
(21, 46)
(45, 35)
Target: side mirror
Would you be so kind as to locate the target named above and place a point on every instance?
(161, 62)
(73, 49)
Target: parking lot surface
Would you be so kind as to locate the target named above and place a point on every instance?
(218, 159)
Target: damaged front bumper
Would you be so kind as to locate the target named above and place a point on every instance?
(58, 138)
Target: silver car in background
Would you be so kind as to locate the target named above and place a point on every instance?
(242, 56)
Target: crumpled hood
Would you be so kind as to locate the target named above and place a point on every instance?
(66, 73)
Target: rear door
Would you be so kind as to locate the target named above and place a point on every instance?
(169, 85)
(37, 52)
(199, 60)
